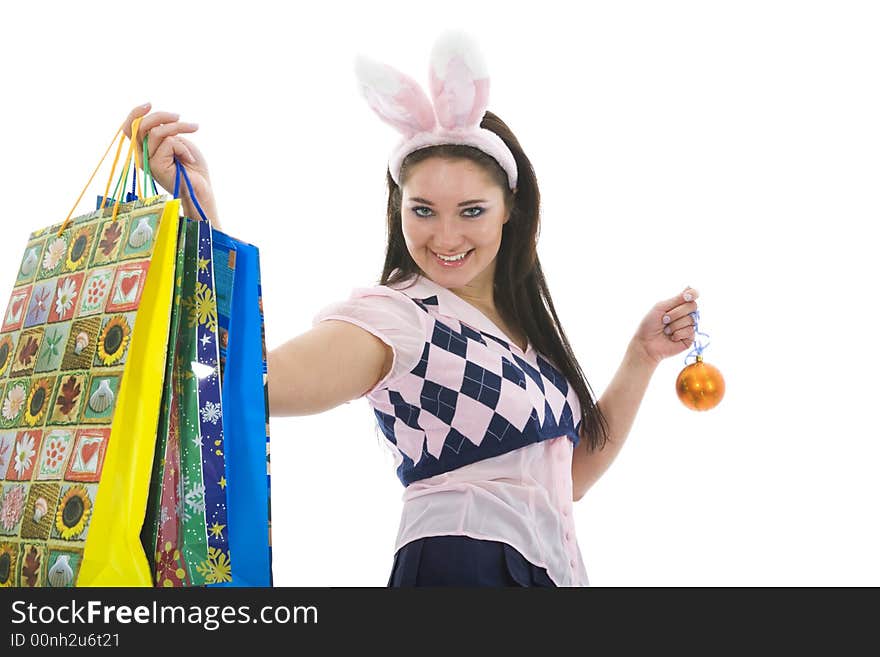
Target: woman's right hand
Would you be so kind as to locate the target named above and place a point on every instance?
(164, 143)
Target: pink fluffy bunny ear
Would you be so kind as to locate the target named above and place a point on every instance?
(459, 84)
(459, 81)
(395, 97)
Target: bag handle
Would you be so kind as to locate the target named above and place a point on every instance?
(135, 125)
(148, 174)
(182, 170)
(122, 181)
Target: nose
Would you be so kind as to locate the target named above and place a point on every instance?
(448, 235)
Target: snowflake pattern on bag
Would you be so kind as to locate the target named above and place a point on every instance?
(188, 528)
(213, 489)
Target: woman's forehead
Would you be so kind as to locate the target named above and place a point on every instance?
(448, 179)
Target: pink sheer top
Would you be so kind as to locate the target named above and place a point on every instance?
(482, 432)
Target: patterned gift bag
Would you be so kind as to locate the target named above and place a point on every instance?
(82, 355)
(188, 526)
(217, 532)
(203, 316)
(161, 530)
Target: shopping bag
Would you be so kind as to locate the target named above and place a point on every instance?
(189, 535)
(245, 409)
(82, 355)
(210, 524)
(203, 316)
(161, 533)
(245, 405)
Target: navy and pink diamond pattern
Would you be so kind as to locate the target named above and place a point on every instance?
(471, 397)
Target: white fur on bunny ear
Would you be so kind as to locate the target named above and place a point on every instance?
(394, 96)
(459, 81)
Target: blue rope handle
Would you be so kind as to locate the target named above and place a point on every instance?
(192, 194)
(698, 348)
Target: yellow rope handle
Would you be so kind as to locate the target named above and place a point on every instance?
(79, 198)
(134, 130)
(135, 125)
(112, 171)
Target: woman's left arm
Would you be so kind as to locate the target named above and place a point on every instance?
(667, 330)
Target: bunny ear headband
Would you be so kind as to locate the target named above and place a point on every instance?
(459, 84)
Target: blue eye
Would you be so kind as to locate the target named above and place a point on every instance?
(417, 210)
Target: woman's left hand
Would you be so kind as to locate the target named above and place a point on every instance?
(668, 329)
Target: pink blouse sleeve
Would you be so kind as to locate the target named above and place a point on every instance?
(389, 315)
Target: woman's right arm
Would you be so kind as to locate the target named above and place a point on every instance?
(331, 364)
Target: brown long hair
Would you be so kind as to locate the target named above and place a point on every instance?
(520, 291)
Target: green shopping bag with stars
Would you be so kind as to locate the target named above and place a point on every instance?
(186, 530)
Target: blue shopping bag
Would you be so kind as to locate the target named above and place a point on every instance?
(245, 410)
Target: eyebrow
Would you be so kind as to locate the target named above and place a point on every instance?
(418, 199)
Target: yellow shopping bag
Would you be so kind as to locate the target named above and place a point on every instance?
(82, 360)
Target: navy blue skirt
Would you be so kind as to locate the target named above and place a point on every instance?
(463, 561)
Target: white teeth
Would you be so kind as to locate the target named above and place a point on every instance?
(452, 258)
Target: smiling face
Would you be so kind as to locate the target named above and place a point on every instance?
(451, 207)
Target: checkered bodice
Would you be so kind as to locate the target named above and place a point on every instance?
(472, 396)
(482, 431)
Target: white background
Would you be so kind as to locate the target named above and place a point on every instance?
(733, 147)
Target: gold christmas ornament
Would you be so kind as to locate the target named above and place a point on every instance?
(699, 385)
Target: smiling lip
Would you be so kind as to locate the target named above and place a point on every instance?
(454, 263)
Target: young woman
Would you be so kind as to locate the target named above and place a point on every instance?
(459, 349)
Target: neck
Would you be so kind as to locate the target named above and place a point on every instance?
(479, 291)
